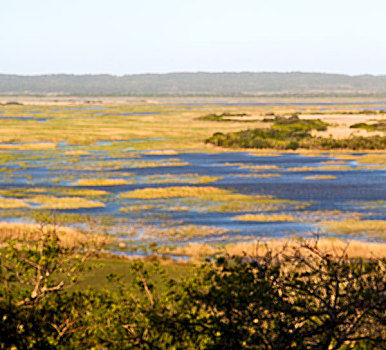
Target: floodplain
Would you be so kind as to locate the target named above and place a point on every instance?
(142, 172)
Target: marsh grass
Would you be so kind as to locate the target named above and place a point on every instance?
(101, 182)
(12, 203)
(52, 202)
(29, 146)
(320, 177)
(353, 248)
(69, 237)
(183, 178)
(253, 175)
(368, 228)
(187, 232)
(176, 192)
(266, 218)
(212, 199)
(58, 192)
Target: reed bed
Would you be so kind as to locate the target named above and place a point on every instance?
(353, 248)
(101, 182)
(69, 237)
(265, 218)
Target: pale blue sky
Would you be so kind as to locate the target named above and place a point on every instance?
(127, 36)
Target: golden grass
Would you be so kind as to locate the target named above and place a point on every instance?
(301, 168)
(68, 237)
(12, 203)
(320, 177)
(174, 192)
(137, 208)
(356, 227)
(162, 152)
(252, 175)
(341, 162)
(186, 232)
(52, 202)
(60, 191)
(101, 182)
(265, 218)
(76, 153)
(29, 146)
(175, 128)
(259, 167)
(214, 199)
(334, 168)
(182, 178)
(353, 248)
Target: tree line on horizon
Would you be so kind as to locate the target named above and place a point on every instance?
(196, 84)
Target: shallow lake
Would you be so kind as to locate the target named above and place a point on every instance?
(307, 188)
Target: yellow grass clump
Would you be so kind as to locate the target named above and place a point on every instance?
(185, 232)
(320, 177)
(353, 248)
(356, 227)
(68, 237)
(265, 218)
(51, 202)
(174, 192)
(162, 152)
(101, 182)
(12, 203)
(29, 146)
(301, 168)
(77, 153)
(257, 175)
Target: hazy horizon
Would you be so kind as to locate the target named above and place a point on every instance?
(126, 37)
(183, 72)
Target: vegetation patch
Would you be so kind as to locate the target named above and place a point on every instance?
(333, 246)
(223, 117)
(101, 182)
(320, 177)
(183, 178)
(51, 202)
(69, 237)
(59, 192)
(376, 228)
(35, 146)
(186, 232)
(291, 134)
(175, 192)
(253, 175)
(378, 126)
(12, 203)
(265, 218)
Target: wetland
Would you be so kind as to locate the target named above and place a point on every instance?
(142, 172)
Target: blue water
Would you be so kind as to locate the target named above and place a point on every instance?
(343, 193)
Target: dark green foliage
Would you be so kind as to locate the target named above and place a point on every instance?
(221, 117)
(294, 123)
(293, 133)
(381, 125)
(302, 298)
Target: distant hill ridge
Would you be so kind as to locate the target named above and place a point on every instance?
(194, 84)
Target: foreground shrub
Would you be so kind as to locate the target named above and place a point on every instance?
(298, 298)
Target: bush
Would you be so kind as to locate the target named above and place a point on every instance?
(296, 299)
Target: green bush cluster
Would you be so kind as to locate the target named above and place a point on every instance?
(293, 133)
(221, 117)
(380, 125)
(294, 123)
(298, 299)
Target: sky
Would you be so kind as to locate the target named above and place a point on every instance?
(160, 36)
